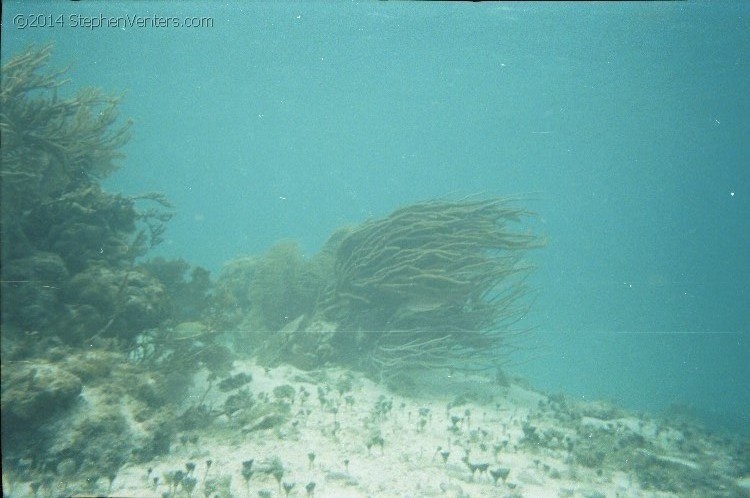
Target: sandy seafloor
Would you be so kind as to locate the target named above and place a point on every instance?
(431, 437)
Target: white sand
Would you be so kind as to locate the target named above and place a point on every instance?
(409, 464)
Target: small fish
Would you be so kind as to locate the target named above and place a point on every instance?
(425, 307)
(188, 330)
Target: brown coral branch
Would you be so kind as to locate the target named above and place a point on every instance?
(432, 282)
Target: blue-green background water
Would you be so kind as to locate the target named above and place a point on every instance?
(630, 124)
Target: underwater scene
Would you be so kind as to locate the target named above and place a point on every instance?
(375, 249)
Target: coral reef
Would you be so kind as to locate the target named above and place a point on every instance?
(51, 145)
(188, 297)
(31, 297)
(261, 296)
(110, 361)
(34, 393)
(435, 284)
(61, 233)
(78, 306)
(104, 301)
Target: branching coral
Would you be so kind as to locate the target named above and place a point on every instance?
(279, 290)
(49, 142)
(54, 152)
(274, 289)
(187, 288)
(431, 284)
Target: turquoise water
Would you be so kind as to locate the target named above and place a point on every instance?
(628, 123)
